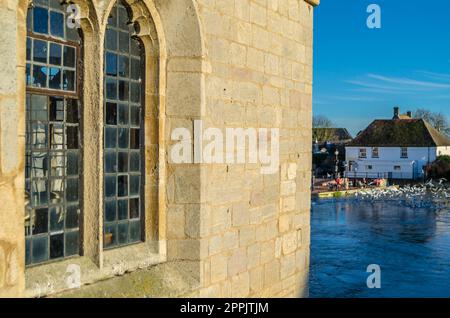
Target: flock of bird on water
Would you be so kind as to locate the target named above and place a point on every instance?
(432, 193)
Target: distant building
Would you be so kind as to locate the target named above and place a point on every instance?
(399, 148)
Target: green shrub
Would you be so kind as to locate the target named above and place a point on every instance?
(444, 158)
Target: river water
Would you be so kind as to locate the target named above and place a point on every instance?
(411, 246)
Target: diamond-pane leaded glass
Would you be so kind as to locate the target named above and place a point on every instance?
(123, 130)
(52, 156)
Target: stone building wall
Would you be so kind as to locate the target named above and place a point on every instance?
(259, 55)
(216, 229)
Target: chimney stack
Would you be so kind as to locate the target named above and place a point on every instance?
(409, 113)
(396, 112)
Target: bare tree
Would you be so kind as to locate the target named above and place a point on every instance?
(436, 119)
(440, 123)
(321, 121)
(320, 133)
(424, 114)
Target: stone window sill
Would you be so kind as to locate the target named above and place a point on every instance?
(51, 278)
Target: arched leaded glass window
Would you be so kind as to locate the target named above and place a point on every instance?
(123, 131)
(52, 163)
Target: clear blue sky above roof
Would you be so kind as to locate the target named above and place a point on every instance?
(361, 73)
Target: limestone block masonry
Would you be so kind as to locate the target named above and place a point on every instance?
(211, 230)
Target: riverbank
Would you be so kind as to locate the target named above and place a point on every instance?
(437, 192)
(346, 193)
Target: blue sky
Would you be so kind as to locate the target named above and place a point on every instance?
(360, 74)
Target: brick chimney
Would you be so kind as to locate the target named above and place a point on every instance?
(396, 113)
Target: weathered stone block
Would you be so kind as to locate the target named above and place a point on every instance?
(256, 279)
(237, 263)
(289, 243)
(254, 255)
(271, 274)
(288, 188)
(240, 285)
(218, 268)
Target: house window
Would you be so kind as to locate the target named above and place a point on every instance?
(362, 153)
(53, 152)
(369, 167)
(352, 166)
(404, 152)
(375, 153)
(397, 168)
(123, 133)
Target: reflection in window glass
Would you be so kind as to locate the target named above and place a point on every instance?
(111, 89)
(57, 24)
(40, 76)
(69, 56)
(39, 249)
(69, 80)
(40, 20)
(52, 64)
(54, 80)
(122, 142)
(111, 113)
(56, 111)
(123, 66)
(57, 164)
(111, 64)
(28, 75)
(57, 140)
(72, 111)
(55, 54)
(52, 153)
(40, 51)
(111, 39)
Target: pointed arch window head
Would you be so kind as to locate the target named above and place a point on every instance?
(52, 153)
(52, 48)
(123, 134)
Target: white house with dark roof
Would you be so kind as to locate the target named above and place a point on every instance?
(399, 148)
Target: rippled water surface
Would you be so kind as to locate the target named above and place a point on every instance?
(411, 245)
